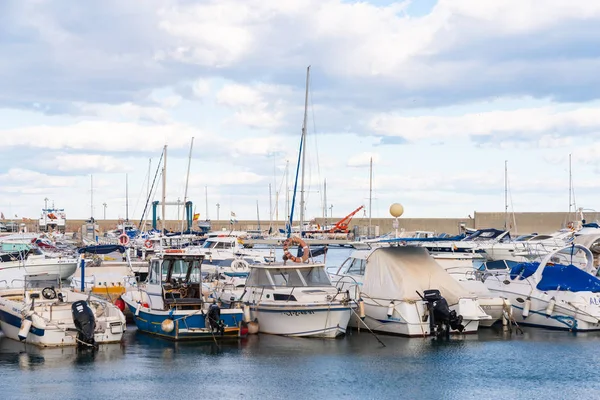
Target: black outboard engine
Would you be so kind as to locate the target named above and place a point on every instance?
(441, 318)
(214, 318)
(85, 323)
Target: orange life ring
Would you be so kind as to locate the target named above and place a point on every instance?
(286, 252)
(148, 244)
(124, 239)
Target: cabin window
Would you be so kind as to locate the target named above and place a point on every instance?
(165, 270)
(357, 267)
(258, 277)
(154, 272)
(315, 276)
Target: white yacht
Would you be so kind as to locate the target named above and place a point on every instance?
(34, 261)
(295, 299)
(392, 283)
(42, 313)
(557, 292)
(221, 249)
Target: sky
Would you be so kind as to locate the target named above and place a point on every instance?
(440, 95)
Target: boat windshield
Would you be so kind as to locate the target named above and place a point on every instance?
(288, 277)
(181, 269)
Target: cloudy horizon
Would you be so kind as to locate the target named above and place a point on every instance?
(439, 94)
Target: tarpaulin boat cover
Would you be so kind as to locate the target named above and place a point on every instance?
(397, 273)
(558, 277)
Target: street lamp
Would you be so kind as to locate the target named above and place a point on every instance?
(218, 206)
(104, 205)
(331, 211)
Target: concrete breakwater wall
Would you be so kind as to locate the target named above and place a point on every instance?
(519, 223)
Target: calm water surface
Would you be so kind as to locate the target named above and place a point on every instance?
(492, 364)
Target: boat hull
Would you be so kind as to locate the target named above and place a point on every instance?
(61, 330)
(188, 324)
(302, 321)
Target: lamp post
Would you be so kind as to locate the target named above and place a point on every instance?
(104, 205)
(218, 206)
(331, 211)
(396, 210)
(45, 213)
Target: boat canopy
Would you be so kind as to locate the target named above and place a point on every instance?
(102, 249)
(398, 273)
(303, 276)
(558, 277)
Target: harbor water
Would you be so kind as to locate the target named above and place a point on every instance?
(490, 364)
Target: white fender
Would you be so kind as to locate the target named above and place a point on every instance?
(550, 308)
(38, 322)
(526, 308)
(246, 313)
(361, 308)
(390, 311)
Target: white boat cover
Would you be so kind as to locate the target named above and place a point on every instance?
(397, 273)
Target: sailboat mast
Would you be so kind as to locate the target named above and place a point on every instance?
(270, 208)
(91, 196)
(304, 151)
(370, 193)
(570, 189)
(164, 190)
(505, 193)
(187, 179)
(257, 215)
(287, 189)
(126, 198)
(206, 201)
(325, 201)
(148, 184)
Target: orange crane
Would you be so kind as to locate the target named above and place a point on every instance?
(342, 225)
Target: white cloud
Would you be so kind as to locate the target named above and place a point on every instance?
(201, 88)
(126, 111)
(363, 159)
(527, 123)
(94, 162)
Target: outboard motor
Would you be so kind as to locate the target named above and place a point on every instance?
(85, 323)
(214, 318)
(441, 318)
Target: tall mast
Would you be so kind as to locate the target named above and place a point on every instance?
(270, 208)
(325, 200)
(304, 151)
(257, 215)
(570, 189)
(126, 198)
(370, 193)
(505, 193)
(91, 196)
(164, 189)
(206, 201)
(187, 179)
(287, 190)
(148, 183)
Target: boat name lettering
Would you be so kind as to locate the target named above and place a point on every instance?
(298, 313)
(594, 301)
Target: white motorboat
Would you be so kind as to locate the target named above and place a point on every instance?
(557, 292)
(295, 299)
(44, 314)
(36, 262)
(220, 250)
(392, 283)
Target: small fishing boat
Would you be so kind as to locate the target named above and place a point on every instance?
(296, 299)
(45, 314)
(171, 303)
(558, 292)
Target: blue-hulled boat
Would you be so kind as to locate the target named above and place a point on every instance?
(171, 304)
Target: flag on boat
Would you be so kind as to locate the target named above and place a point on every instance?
(196, 216)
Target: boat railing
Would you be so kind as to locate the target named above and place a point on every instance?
(348, 283)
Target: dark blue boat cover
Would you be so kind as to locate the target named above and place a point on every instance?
(558, 277)
(102, 249)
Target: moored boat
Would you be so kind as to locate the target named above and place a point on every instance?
(45, 314)
(171, 303)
